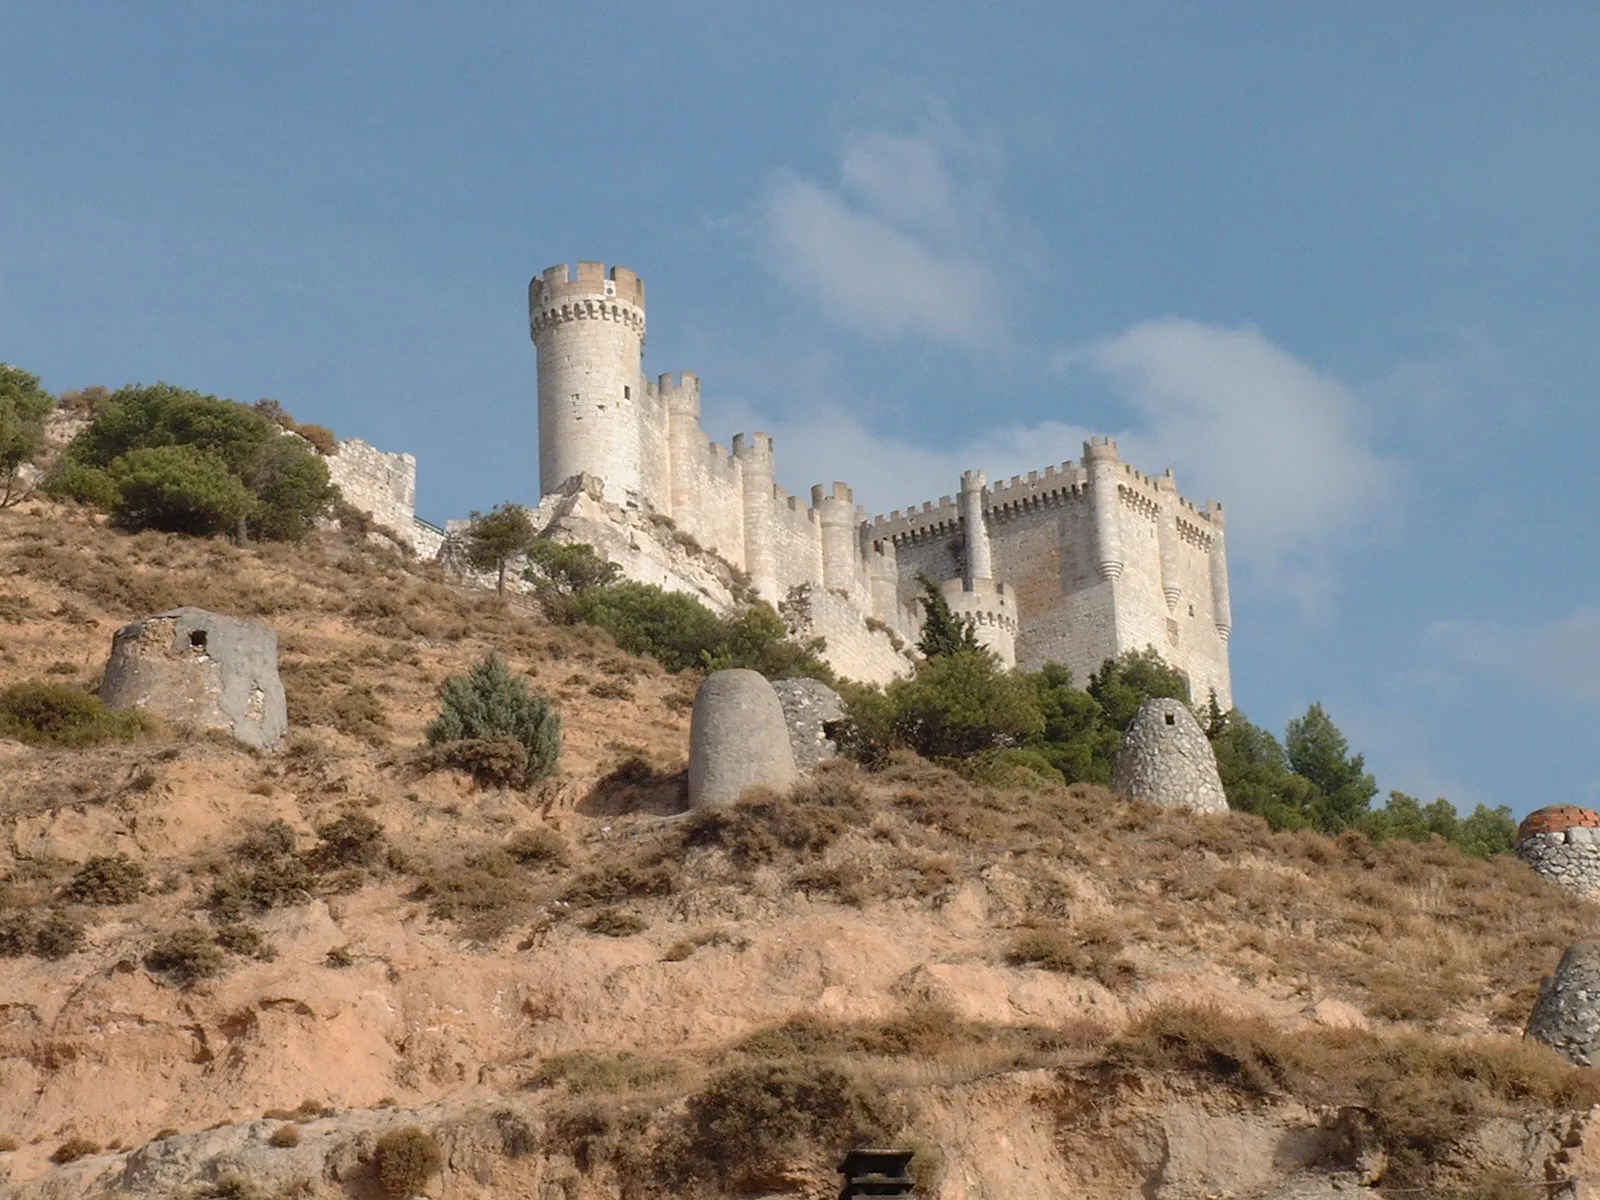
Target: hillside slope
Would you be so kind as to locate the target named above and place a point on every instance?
(581, 991)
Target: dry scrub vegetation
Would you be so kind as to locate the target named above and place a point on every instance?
(184, 853)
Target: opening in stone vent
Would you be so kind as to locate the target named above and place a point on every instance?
(197, 639)
(1171, 720)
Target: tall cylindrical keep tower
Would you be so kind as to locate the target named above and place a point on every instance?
(589, 332)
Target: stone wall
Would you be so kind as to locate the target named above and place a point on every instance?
(380, 484)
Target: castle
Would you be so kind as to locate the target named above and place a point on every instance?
(1073, 564)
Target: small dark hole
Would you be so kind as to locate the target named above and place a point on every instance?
(1171, 720)
(197, 639)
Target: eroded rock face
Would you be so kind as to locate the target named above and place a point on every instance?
(1562, 843)
(738, 739)
(194, 667)
(809, 708)
(1566, 1016)
(1166, 759)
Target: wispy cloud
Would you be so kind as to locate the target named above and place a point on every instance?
(1559, 657)
(906, 242)
(1286, 447)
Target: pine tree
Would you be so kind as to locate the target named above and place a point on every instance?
(943, 633)
(495, 537)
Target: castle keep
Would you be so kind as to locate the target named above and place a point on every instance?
(1073, 564)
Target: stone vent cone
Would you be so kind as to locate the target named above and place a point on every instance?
(1562, 844)
(1166, 759)
(737, 739)
(1566, 1016)
(193, 667)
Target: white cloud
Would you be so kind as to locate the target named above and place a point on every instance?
(1236, 416)
(906, 243)
(1285, 447)
(1560, 657)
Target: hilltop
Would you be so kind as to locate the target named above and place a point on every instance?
(578, 990)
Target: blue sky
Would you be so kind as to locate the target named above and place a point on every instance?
(1337, 265)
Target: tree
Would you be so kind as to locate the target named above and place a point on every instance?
(958, 705)
(284, 481)
(1319, 753)
(24, 405)
(179, 489)
(943, 633)
(1256, 776)
(1076, 740)
(1123, 683)
(567, 568)
(498, 536)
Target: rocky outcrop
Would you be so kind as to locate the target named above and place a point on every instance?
(737, 739)
(1166, 759)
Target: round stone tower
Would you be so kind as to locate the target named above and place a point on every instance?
(589, 332)
(1562, 843)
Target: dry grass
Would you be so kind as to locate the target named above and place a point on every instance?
(1422, 1094)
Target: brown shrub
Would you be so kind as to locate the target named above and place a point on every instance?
(285, 1136)
(616, 922)
(73, 1149)
(406, 1158)
(587, 1073)
(540, 846)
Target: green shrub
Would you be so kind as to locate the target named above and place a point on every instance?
(271, 875)
(50, 934)
(185, 956)
(107, 879)
(51, 714)
(749, 1122)
(567, 569)
(351, 840)
(406, 1159)
(616, 922)
(490, 703)
(676, 630)
(540, 846)
(241, 939)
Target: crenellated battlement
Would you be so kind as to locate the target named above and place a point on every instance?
(1071, 563)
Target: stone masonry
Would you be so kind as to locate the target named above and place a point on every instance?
(1166, 759)
(1562, 844)
(1072, 564)
(737, 739)
(194, 667)
(1566, 1017)
(810, 707)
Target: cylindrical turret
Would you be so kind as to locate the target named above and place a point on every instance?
(1221, 609)
(1100, 460)
(686, 444)
(837, 512)
(589, 332)
(1167, 535)
(993, 612)
(760, 554)
(883, 579)
(980, 560)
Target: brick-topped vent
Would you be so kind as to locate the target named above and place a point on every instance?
(1558, 818)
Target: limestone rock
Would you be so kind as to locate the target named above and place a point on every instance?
(737, 739)
(809, 708)
(1566, 1017)
(196, 667)
(1562, 844)
(1166, 759)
